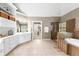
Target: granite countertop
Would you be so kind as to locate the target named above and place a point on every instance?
(72, 41)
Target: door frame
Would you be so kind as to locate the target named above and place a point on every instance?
(41, 27)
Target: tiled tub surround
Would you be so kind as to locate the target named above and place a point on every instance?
(9, 43)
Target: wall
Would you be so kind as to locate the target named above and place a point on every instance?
(71, 15)
(46, 21)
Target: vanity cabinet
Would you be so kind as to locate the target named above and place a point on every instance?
(6, 46)
(73, 51)
(2, 48)
(13, 42)
(9, 43)
(61, 44)
(73, 46)
(24, 37)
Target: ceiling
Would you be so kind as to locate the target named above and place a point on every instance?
(46, 9)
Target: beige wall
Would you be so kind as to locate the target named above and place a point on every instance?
(71, 15)
(46, 21)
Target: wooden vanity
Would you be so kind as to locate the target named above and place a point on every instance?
(61, 41)
(73, 50)
(66, 30)
(73, 46)
(61, 44)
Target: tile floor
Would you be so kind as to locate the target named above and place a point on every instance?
(37, 48)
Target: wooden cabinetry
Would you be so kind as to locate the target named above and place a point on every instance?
(73, 51)
(4, 15)
(67, 26)
(7, 16)
(53, 35)
(70, 25)
(61, 44)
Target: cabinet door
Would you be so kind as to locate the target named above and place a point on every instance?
(27, 37)
(58, 42)
(2, 48)
(12, 42)
(61, 44)
(24, 37)
(65, 47)
(21, 39)
(16, 40)
(54, 35)
(6, 46)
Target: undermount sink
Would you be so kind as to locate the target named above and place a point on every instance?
(65, 34)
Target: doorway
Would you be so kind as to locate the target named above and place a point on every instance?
(36, 29)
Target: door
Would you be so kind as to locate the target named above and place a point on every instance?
(37, 30)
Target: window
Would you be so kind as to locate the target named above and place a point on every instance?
(23, 27)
